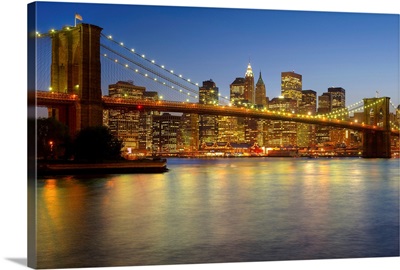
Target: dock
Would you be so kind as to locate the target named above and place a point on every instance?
(113, 167)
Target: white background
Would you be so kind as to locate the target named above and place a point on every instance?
(13, 189)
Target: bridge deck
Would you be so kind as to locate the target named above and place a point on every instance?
(44, 98)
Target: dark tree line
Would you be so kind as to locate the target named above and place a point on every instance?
(97, 144)
(92, 144)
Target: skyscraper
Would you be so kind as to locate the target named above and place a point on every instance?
(308, 102)
(325, 103)
(282, 133)
(324, 107)
(237, 92)
(291, 85)
(124, 123)
(249, 85)
(338, 97)
(338, 135)
(208, 124)
(306, 132)
(208, 93)
(260, 95)
(189, 126)
(165, 133)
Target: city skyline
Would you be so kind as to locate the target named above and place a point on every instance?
(358, 52)
(291, 82)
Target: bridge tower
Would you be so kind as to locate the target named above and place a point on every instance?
(376, 144)
(76, 69)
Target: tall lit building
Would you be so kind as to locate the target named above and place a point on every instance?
(228, 130)
(249, 85)
(208, 93)
(338, 97)
(306, 132)
(282, 133)
(308, 102)
(208, 124)
(251, 130)
(124, 123)
(165, 133)
(126, 89)
(260, 95)
(146, 122)
(338, 136)
(189, 135)
(324, 107)
(291, 85)
(325, 103)
(235, 124)
(237, 87)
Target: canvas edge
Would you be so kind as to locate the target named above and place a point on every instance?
(31, 136)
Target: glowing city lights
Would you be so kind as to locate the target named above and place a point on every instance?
(169, 79)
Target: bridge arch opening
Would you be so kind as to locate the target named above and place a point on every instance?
(371, 117)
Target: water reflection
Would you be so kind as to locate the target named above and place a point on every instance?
(226, 210)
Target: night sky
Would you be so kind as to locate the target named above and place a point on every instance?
(356, 51)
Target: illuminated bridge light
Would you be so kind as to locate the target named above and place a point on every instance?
(143, 56)
(126, 65)
(122, 44)
(109, 37)
(132, 50)
(153, 61)
(162, 66)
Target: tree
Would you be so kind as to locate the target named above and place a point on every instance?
(96, 144)
(53, 139)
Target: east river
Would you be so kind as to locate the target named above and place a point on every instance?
(221, 210)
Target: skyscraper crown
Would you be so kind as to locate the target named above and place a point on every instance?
(249, 71)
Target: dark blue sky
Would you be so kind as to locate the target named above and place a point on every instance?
(356, 51)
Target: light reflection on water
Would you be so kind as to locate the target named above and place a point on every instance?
(222, 210)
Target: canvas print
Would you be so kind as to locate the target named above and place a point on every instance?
(165, 135)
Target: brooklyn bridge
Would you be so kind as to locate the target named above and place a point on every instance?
(76, 74)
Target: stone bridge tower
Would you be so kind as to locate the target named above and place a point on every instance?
(376, 144)
(76, 69)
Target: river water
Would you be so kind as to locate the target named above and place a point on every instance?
(221, 210)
